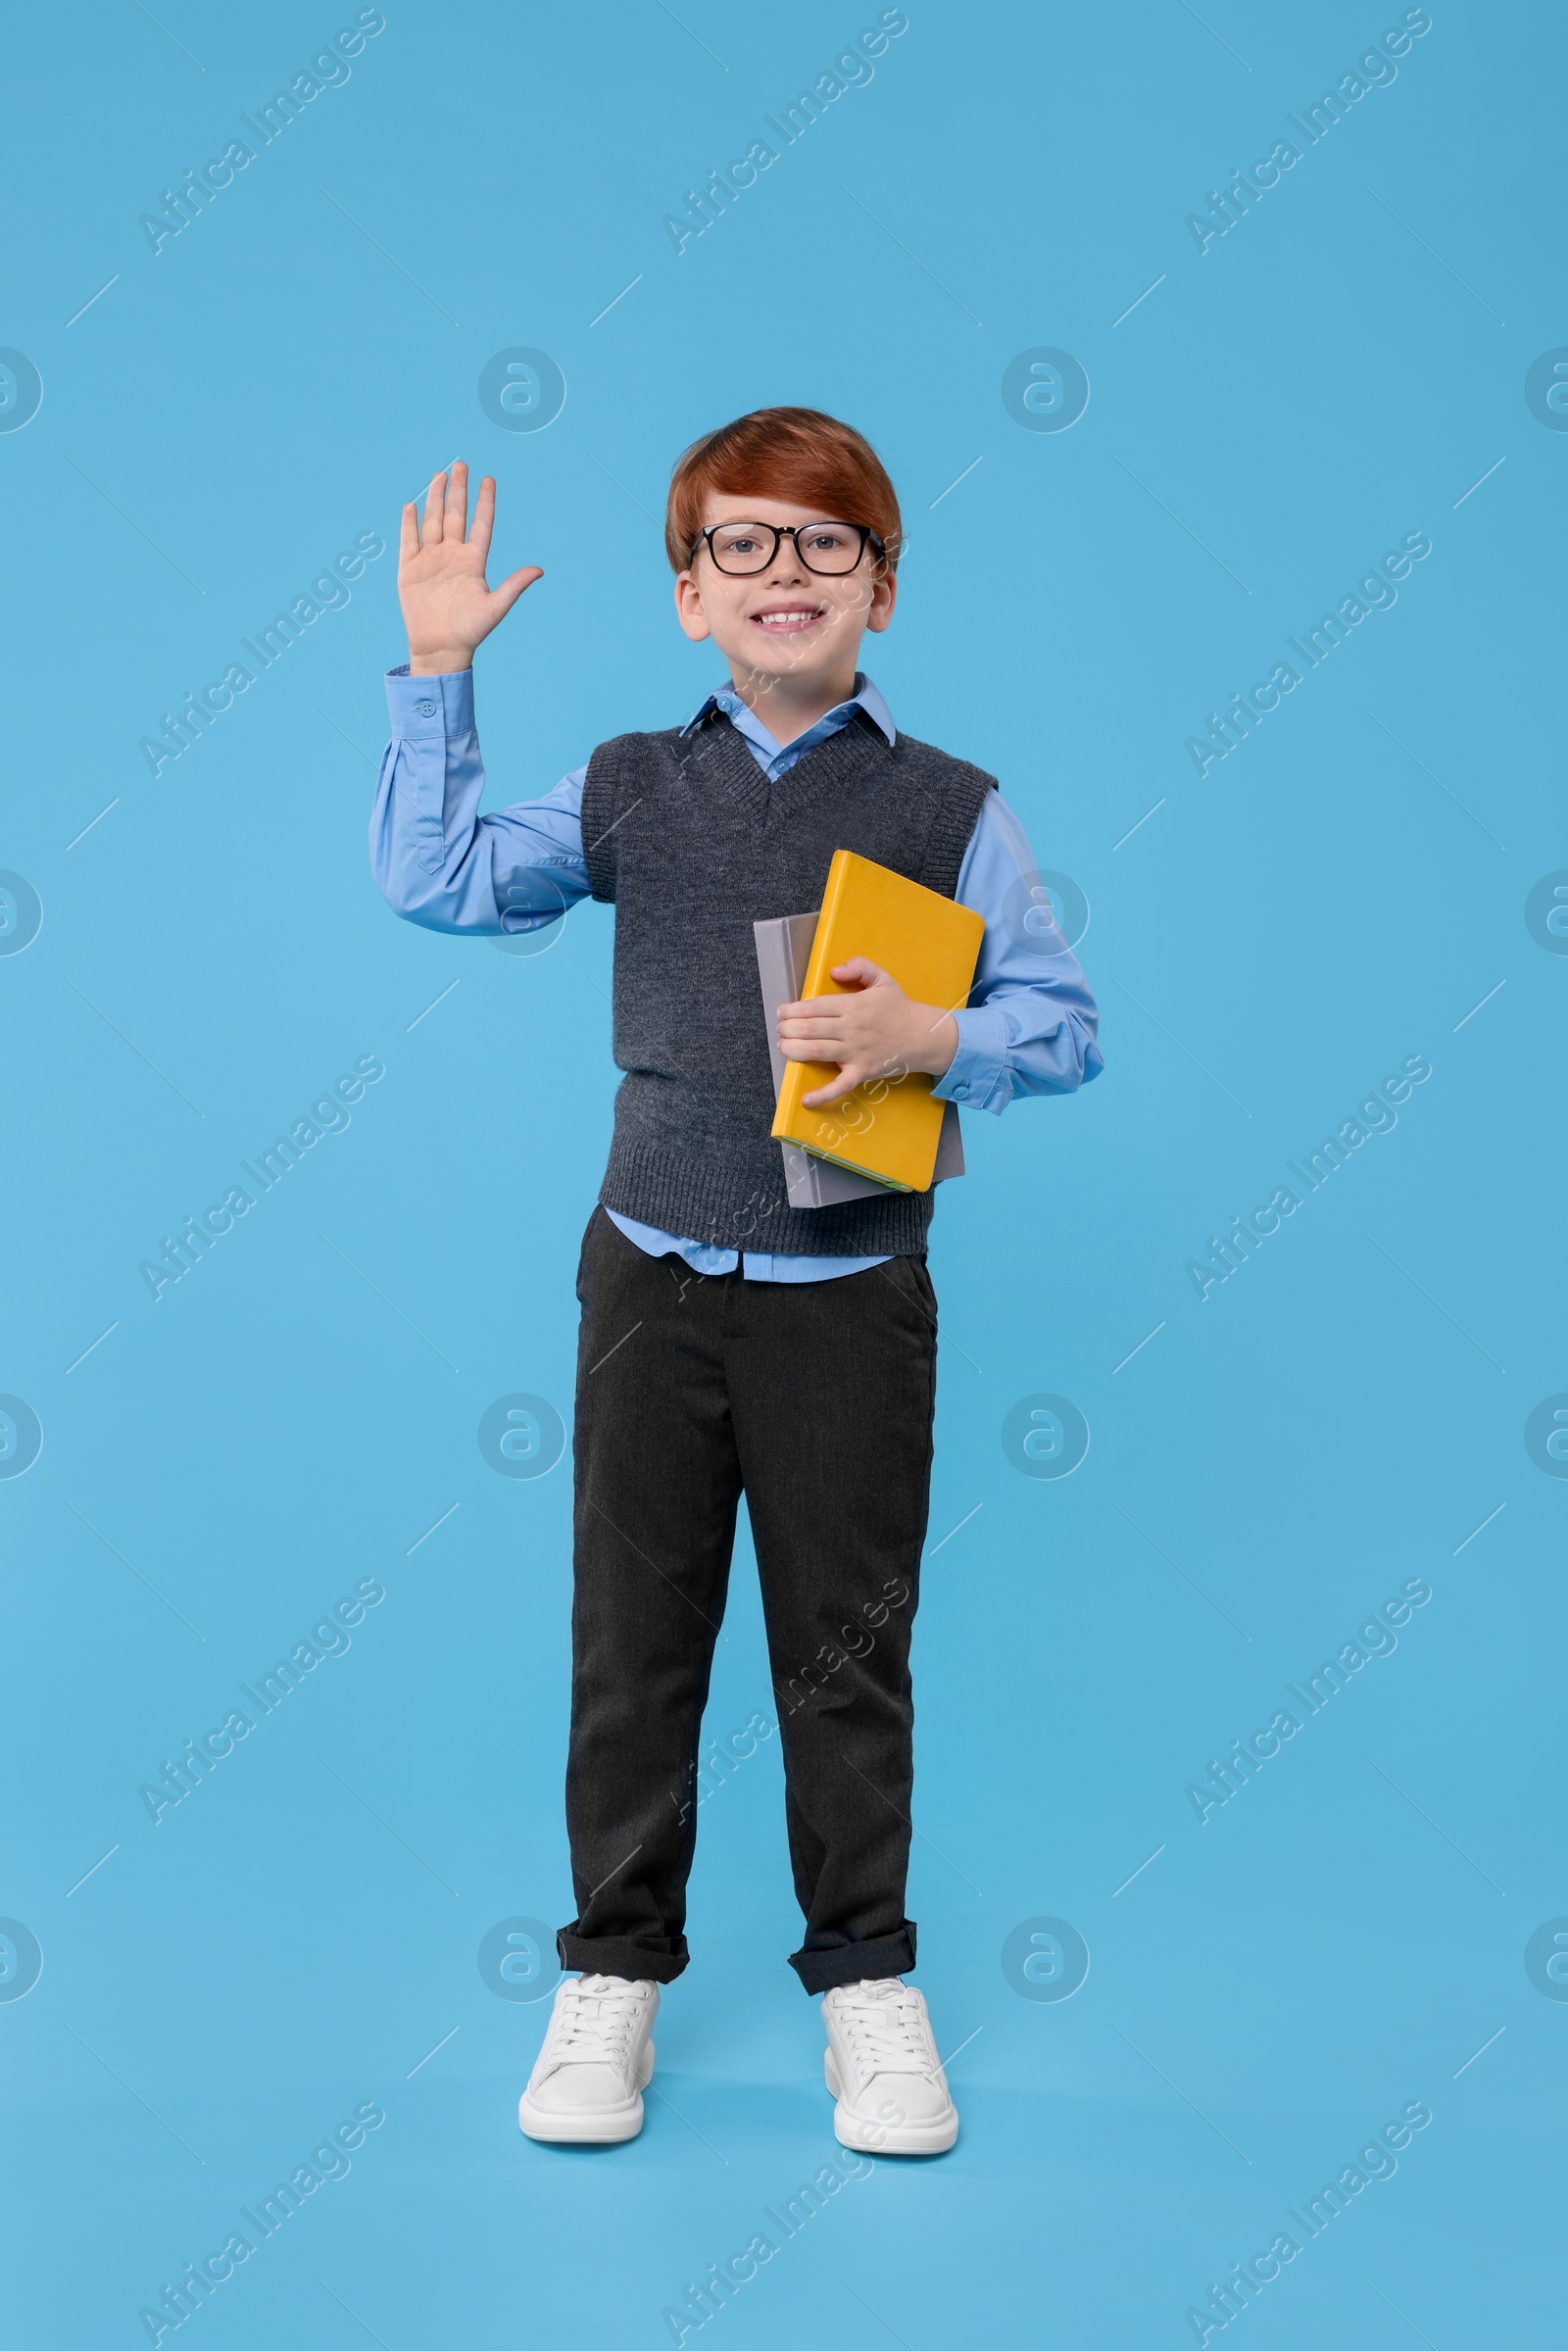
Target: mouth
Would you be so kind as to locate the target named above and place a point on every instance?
(787, 619)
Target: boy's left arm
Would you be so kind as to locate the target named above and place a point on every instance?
(1031, 1022)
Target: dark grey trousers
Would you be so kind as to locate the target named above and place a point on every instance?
(815, 1400)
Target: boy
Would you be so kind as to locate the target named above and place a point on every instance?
(729, 1342)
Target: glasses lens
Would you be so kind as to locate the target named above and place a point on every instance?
(830, 545)
(742, 547)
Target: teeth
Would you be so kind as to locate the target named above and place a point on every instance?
(783, 620)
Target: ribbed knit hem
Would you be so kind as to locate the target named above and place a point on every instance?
(747, 1206)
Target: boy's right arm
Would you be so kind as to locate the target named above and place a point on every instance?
(434, 857)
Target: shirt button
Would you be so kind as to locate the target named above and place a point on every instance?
(426, 709)
(960, 1092)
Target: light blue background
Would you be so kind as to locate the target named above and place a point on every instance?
(288, 1943)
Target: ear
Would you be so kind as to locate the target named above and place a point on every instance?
(689, 608)
(884, 595)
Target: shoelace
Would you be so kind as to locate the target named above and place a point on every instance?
(886, 2031)
(594, 2022)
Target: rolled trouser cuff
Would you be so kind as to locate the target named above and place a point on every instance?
(849, 1963)
(618, 1955)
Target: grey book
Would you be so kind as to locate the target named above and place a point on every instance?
(783, 951)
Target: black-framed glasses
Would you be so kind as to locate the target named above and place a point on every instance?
(740, 547)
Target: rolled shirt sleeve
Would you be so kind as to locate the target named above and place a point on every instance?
(1031, 1022)
(436, 861)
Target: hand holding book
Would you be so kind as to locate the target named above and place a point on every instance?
(877, 1032)
(868, 1033)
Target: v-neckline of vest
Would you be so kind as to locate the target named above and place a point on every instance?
(816, 772)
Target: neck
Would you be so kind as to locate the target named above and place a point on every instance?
(789, 705)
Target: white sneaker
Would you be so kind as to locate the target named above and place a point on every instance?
(882, 2066)
(587, 2084)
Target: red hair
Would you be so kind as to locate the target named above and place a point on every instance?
(796, 455)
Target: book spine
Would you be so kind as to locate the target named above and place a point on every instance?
(817, 982)
(801, 1076)
(792, 965)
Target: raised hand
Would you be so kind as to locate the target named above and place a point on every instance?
(447, 608)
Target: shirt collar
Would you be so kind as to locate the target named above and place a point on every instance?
(865, 696)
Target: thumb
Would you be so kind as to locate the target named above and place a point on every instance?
(861, 972)
(505, 594)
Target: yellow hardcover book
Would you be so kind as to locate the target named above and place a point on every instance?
(889, 1126)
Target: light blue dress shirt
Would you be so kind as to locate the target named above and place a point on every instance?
(1030, 1024)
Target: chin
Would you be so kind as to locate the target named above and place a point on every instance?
(791, 656)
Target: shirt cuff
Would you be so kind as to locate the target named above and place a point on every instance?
(430, 705)
(978, 1077)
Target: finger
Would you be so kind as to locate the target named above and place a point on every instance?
(862, 970)
(808, 1030)
(797, 1036)
(484, 515)
(806, 1047)
(409, 536)
(813, 1007)
(504, 597)
(455, 526)
(845, 1083)
(433, 500)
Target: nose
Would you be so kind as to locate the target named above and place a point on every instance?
(786, 564)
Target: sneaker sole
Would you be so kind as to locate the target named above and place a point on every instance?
(887, 2138)
(607, 2126)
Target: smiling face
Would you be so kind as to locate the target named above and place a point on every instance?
(788, 627)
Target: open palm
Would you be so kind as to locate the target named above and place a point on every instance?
(447, 608)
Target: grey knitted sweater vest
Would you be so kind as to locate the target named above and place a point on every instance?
(693, 844)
